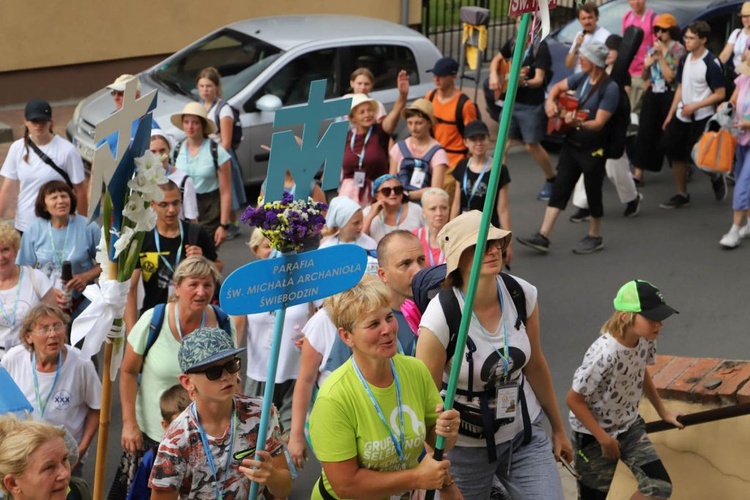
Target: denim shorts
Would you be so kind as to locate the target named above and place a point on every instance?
(532, 473)
(528, 123)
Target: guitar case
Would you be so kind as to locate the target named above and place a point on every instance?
(631, 41)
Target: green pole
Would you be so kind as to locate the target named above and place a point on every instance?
(488, 210)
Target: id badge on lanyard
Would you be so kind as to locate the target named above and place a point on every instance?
(418, 175)
(359, 178)
(507, 400)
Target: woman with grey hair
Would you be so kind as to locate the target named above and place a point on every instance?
(436, 209)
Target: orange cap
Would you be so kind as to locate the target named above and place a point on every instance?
(665, 21)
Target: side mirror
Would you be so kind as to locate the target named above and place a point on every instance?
(268, 102)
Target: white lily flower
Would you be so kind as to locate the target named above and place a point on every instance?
(148, 165)
(102, 258)
(124, 240)
(146, 221)
(148, 187)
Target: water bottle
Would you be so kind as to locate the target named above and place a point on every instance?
(67, 275)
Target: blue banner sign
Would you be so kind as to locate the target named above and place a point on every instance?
(271, 284)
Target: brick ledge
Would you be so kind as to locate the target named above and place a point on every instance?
(702, 380)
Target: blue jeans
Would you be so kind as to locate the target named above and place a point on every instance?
(533, 472)
(741, 199)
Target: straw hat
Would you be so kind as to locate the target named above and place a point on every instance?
(358, 99)
(423, 106)
(462, 233)
(196, 109)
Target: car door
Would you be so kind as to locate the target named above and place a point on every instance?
(290, 83)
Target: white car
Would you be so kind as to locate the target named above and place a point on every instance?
(268, 63)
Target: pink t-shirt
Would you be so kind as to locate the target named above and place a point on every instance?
(646, 23)
(743, 107)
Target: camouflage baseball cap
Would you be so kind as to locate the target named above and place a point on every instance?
(205, 346)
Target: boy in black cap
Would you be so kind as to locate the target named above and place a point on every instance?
(198, 457)
(472, 176)
(607, 389)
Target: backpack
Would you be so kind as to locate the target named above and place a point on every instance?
(157, 320)
(616, 129)
(426, 285)
(236, 123)
(459, 121)
(214, 147)
(409, 162)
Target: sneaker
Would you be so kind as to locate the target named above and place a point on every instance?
(745, 231)
(633, 206)
(719, 185)
(546, 192)
(676, 201)
(589, 244)
(582, 215)
(538, 242)
(730, 240)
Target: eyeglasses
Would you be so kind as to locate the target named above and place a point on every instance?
(46, 330)
(117, 93)
(657, 29)
(167, 204)
(690, 37)
(215, 372)
(397, 190)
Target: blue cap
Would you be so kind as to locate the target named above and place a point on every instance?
(444, 67)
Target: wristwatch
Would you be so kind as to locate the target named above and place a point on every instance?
(225, 226)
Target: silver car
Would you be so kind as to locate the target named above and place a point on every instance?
(268, 63)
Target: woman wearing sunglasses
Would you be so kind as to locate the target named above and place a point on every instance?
(659, 70)
(391, 210)
(188, 309)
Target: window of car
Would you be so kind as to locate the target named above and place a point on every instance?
(291, 83)
(238, 57)
(385, 62)
(722, 24)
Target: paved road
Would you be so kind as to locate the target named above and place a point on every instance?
(676, 250)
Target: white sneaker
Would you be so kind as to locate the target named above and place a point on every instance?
(745, 231)
(730, 240)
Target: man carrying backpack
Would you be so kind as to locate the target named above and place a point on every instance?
(583, 151)
(453, 110)
(171, 241)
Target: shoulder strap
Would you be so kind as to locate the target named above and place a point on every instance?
(34, 282)
(192, 233)
(518, 296)
(176, 152)
(431, 95)
(222, 319)
(452, 311)
(182, 187)
(214, 153)
(404, 149)
(434, 149)
(157, 320)
(460, 125)
(46, 159)
(217, 118)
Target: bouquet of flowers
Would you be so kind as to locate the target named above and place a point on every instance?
(287, 223)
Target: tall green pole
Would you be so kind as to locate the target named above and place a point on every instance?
(487, 211)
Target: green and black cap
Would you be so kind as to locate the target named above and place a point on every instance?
(642, 297)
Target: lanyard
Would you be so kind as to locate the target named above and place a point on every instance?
(158, 249)
(361, 156)
(39, 404)
(398, 216)
(209, 453)
(12, 321)
(58, 257)
(504, 356)
(177, 319)
(470, 196)
(399, 444)
(441, 257)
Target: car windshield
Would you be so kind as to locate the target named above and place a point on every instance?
(240, 58)
(610, 17)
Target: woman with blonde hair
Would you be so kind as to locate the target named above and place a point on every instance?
(208, 165)
(155, 360)
(436, 210)
(34, 460)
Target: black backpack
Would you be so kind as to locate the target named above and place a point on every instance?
(236, 123)
(459, 120)
(212, 146)
(616, 129)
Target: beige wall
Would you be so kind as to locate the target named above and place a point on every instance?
(46, 33)
(705, 461)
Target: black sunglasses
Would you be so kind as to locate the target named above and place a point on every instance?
(657, 29)
(397, 190)
(214, 372)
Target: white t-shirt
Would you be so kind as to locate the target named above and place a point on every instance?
(697, 78)
(189, 209)
(260, 327)
(413, 220)
(16, 303)
(739, 39)
(321, 333)
(488, 368)
(611, 381)
(34, 174)
(599, 35)
(77, 389)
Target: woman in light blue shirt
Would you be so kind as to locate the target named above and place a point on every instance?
(208, 165)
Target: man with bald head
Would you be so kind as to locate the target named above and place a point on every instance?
(400, 257)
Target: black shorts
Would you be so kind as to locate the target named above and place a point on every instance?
(680, 138)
